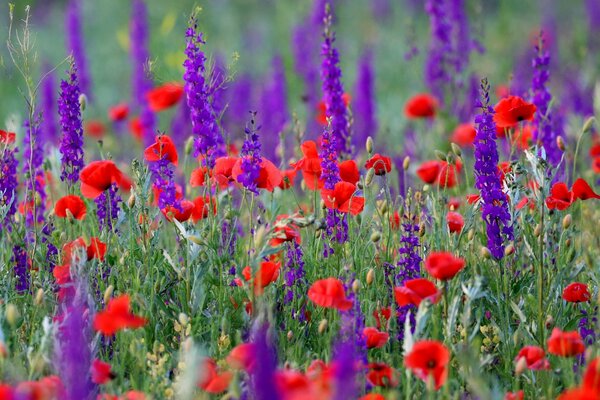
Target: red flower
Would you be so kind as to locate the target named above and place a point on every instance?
(162, 147)
(415, 291)
(329, 293)
(267, 274)
(118, 112)
(596, 165)
(374, 338)
(97, 177)
(443, 265)
(381, 164)
(429, 171)
(385, 312)
(136, 128)
(534, 357)
(284, 231)
(181, 214)
(342, 198)
(164, 96)
(7, 137)
(372, 396)
(101, 372)
(512, 110)
(565, 344)
(243, 357)
(576, 292)
(202, 206)
(428, 359)
(464, 134)
(580, 393)
(96, 249)
(349, 171)
(322, 109)
(522, 137)
(473, 198)
(222, 172)
(117, 316)
(198, 176)
(440, 172)
(515, 396)
(95, 128)
(455, 222)
(560, 197)
(381, 374)
(213, 381)
(310, 165)
(74, 204)
(582, 190)
(269, 176)
(421, 105)
(287, 179)
(591, 378)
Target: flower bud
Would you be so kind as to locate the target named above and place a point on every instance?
(290, 335)
(189, 146)
(82, 101)
(426, 188)
(37, 199)
(422, 230)
(456, 149)
(471, 234)
(183, 319)
(12, 314)
(323, 325)
(39, 297)
(508, 250)
(588, 124)
(521, 366)
(560, 143)
(406, 163)
(485, 253)
(323, 206)
(369, 145)
(566, 222)
(538, 230)
(440, 155)
(375, 237)
(195, 239)
(303, 185)
(108, 293)
(549, 322)
(369, 177)
(370, 276)
(131, 201)
(356, 286)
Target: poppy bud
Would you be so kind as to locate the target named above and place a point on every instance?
(356, 286)
(566, 222)
(375, 237)
(508, 250)
(82, 101)
(259, 236)
(456, 149)
(369, 177)
(549, 322)
(560, 143)
(521, 365)
(183, 319)
(37, 199)
(471, 234)
(568, 242)
(406, 163)
(323, 206)
(485, 253)
(224, 342)
(195, 239)
(17, 218)
(588, 124)
(369, 145)
(39, 297)
(538, 230)
(189, 146)
(440, 156)
(108, 293)
(360, 185)
(425, 188)
(303, 185)
(131, 201)
(290, 335)
(62, 237)
(11, 314)
(370, 276)
(421, 230)
(322, 325)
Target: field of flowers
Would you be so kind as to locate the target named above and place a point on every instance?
(285, 199)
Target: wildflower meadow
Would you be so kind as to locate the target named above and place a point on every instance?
(299, 199)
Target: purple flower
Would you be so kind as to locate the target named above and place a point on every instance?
(240, 97)
(71, 145)
(487, 178)
(33, 158)
(197, 90)
(365, 124)
(19, 259)
(48, 103)
(263, 376)
(162, 176)
(409, 267)
(251, 158)
(75, 44)
(274, 111)
(437, 65)
(107, 205)
(294, 273)
(8, 183)
(333, 89)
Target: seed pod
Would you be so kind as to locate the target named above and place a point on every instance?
(508, 250)
(369, 145)
(323, 325)
(370, 276)
(567, 220)
(12, 314)
(39, 297)
(369, 176)
(375, 237)
(108, 293)
(406, 163)
(131, 201)
(471, 234)
(356, 286)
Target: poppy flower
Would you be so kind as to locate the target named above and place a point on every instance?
(429, 171)
(443, 265)
(579, 393)
(117, 316)
(428, 359)
(514, 396)
(511, 110)
(342, 198)
(310, 165)
(349, 171)
(72, 203)
(414, 291)
(136, 128)
(565, 344)
(582, 190)
(381, 374)
(421, 105)
(525, 201)
(284, 231)
(322, 109)
(94, 128)
(62, 274)
(268, 273)
(287, 179)
(181, 213)
(560, 197)
(591, 377)
(156, 191)
(222, 172)
(294, 385)
(69, 249)
(381, 164)
(198, 176)
(576, 292)
(165, 96)
(212, 380)
(448, 177)
(534, 357)
(372, 396)
(596, 165)
(329, 293)
(385, 312)
(96, 249)
(374, 338)
(7, 137)
(269, 176)
(98, 176)
(202, 208)
(163, 147)
(464, 135)
(522, 137)
(118, 112)
(473, 198)
(242, 356)
(455, 222)
(101, 372)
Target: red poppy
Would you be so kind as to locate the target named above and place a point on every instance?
(415, 291)
(94, 128)
(284, 231)
(349, 171)
(294, 385)
(385, 312)
(421, 105)
(243, 357)
(381, 164)
(374, 338)
(591, 377)
(512, 110)
(429, 171)
(329, 293)
(269, 176)
(428, 359)
(163, 147)
(96, 249)
(582, 190)
(596, 165)
(565, 344)
(118, 112)
(7, 137)
(198, 176)
(136, 128)
(287, 179)
(74, 204)
(579, 393)
(464, 134)
(534, 357)
(440, 172)
(310, 165)
(117, 316)
(322, 109)
(98, 176)
(454, 203)
(381, 374)
(156, 191)
(222, 172)
(443, 265)
(101, 372)
(372, 396)
(515, 396)
(473, 198)
(560, 197)
(202, 208)
(62, 274)
(576, 292)
(69, 249)
(212, 380)
(525, 201)
(165, 96)
(522, 137)
(181, 213)
(342, 198)
(267, 274)
(455, 222)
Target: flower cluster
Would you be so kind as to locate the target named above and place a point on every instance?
(108, 207)
(76, 45)
(33, 158)
(71, 145)
(8, 178)
(409, 267)
(251, 158)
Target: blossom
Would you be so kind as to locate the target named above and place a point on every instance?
(243, 356)
(98, 176)
(374, 338)
(421, 105)
(164, 96)
(202, 208)
(101, 372)
(342, 198)
(591, 377)
(579, 393)
(534, 357)
(267, 273)
(381, 374)
(269, 176)
(212, 380)
(117, 316)
(71, 144)
(464, 134)
(414, 291)
(443, 265)
(511, 110)
(565, 344)
(310, 165)
(576, 292)
(428, 359)
(181, 213)
(329, 293)
(381, 164)
(561, 197)
(349, 171)
(440, 172)
(71, 203)
(163, 147)
(118, 112)
(455, 222)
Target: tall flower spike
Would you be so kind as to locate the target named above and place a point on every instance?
(251, 157)
(19, 259)
(365, 124)
(8, 180)
(75, 44)
(33, 158)
(204, 125)
(274, 107)
(107, 205)
(408, 268)
(494, 207)
(71, 145)
(437, 74)
(48, 103)
(333, 89)
(263, 376)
